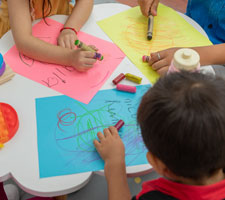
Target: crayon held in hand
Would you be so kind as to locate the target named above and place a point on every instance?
(84, 47)
(98, 56)
(145, 58)
(150, 27)
(119, 124)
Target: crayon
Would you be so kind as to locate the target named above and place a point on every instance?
(118, 78)
(150, 27)
(119, 124)
(145, 58)
(126, 88)
(84, 47)
(98, 56)
(133, 78)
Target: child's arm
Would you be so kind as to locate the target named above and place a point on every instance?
(20, 22)
(112, 151)
(78, 17)
(209, 55)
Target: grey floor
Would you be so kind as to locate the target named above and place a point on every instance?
(96, 189)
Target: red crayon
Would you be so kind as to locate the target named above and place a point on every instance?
(126, 88)
(118, 78)
(145, 58)
(119, 124)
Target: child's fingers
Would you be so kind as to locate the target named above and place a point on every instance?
(113, 130)
(67, 44)
(155, 57)
(107, 132)
(160, 64)
(163, 71)
(93, 47)
(61, 43)
(96, 144)
(100, 136)
(89, 61)
(72, 43)
(144, 7)
(154, 7)
(89, 54)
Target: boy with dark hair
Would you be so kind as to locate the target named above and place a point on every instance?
(182, 120)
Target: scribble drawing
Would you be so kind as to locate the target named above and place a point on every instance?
(166, 35)
(76, 132)
(26, 60)
(30, 61)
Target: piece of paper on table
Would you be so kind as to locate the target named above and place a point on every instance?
(66, 129)
(128, 30)
(81, 86)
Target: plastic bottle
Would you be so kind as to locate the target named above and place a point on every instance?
(185, 59)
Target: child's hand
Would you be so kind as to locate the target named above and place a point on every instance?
(67, 38)
(82, 60)
(110, 147)
(148, 6)
(161, 60)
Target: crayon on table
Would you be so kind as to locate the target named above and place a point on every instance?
(126, 88)
(133, 78)
(150, 27)
(118, 78)
(145, 58)
(119, 124)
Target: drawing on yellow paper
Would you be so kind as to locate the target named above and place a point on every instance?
(128, 30)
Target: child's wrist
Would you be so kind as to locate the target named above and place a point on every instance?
(69, 28)
(115, 162)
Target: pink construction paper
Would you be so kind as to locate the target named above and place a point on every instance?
(81, 86)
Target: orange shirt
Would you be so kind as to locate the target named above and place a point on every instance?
(58, 7)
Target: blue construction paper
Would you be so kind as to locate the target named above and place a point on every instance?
(66, 129)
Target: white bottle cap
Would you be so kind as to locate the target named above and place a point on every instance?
(187, 59)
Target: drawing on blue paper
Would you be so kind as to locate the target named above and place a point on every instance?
(66, 129)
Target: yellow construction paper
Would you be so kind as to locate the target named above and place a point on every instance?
(128, 30)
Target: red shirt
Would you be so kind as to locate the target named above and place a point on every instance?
(176, 190)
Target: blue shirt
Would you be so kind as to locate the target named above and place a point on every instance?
(210, 15)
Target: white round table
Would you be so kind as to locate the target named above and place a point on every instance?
(19, 157)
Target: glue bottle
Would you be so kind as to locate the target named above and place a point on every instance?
(2, 65)
(185, 59)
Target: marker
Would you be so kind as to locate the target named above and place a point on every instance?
(150, 27)
(126, 88)
(133, 78)
(118, 78)
(119, 124)
(84, 47)
(145, 58)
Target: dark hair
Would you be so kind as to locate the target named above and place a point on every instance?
(182, 120)
(44, 15)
